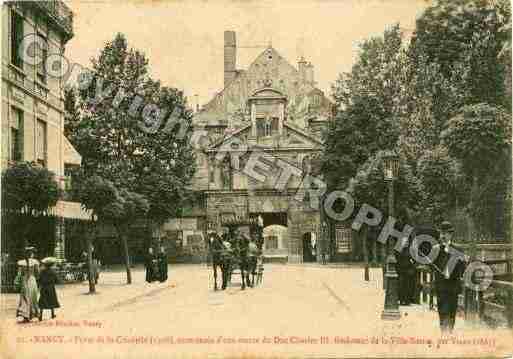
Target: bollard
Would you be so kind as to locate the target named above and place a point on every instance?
(473, 303)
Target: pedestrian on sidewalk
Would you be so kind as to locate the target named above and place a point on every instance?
(151, 266)
(47, 281)
(162, 262)
(447, 282)
(28, 307)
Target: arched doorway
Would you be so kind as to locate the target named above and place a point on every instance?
(276, 236)
(309, 247)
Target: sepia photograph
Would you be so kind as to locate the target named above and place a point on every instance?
(256, 179)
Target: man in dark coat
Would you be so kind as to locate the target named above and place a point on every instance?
(48, 295)
(162, 263)
(407, 273)
(150, 263)
(447, 282)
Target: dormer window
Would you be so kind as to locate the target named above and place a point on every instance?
(267, 112)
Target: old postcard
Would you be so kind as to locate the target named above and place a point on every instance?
(256, 179)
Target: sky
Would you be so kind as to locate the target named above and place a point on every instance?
(183, 40)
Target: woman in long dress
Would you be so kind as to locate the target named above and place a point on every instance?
(162, 264)
(28, 307)
(47, 281)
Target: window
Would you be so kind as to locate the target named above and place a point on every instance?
(266, 127)
(343, 238)
(16, 38)
(43, 55)
(41, 142)
(260, 127)
(267, 131)
(17, 135)
(211, 173)
(271, 242)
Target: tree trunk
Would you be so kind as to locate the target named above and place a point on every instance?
(124, 240)
(365, 253)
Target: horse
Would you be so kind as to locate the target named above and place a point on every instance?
(247, 256)
(220, 258)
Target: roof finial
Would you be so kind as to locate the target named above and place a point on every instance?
(270, 43)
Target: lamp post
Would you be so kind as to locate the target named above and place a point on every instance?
(391, 310)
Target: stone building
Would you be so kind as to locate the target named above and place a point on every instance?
(272, 109)
(32, 122)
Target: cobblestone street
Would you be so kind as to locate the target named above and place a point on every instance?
(294, 307)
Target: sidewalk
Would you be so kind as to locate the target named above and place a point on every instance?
(76, 295)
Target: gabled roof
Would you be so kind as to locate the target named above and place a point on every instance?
(268, 70)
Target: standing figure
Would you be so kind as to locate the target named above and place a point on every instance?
(226, 261)
(28, 307)
(96, 264)
(447, 280)
(47, 281)
(151, 266)
(407, 273)
(253, 254)
(162, 263)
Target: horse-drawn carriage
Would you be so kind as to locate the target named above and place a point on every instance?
(237, 251)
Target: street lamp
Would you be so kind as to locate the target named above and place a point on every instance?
(390, 280)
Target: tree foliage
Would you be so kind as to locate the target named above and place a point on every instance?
(469, 33)
(367, 99)
(428, 100)
(478, 137)
(112, 135)
(28, 186)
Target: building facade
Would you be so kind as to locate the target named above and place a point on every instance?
(32, 125)
(268, 116)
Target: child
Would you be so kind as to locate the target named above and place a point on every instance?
(47, 281)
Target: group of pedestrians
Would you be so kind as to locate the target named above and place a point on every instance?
(156, 265)
(36, 282)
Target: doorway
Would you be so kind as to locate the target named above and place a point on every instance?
(309, 247)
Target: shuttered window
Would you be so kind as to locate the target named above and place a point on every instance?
(16, 135)
(41, 141)
(16, 38)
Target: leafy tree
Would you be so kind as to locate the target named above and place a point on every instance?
(111, 206)
(442, 185)
(29, 188)
(470, 32)
(95, 195)
(126, 209)
(166, 164)
(369, 187)
(480, 138)
(368, 102)
(121, 141)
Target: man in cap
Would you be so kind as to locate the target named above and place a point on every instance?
(449, 267)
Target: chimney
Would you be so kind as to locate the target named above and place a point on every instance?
(230, 57)
(301, 65)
